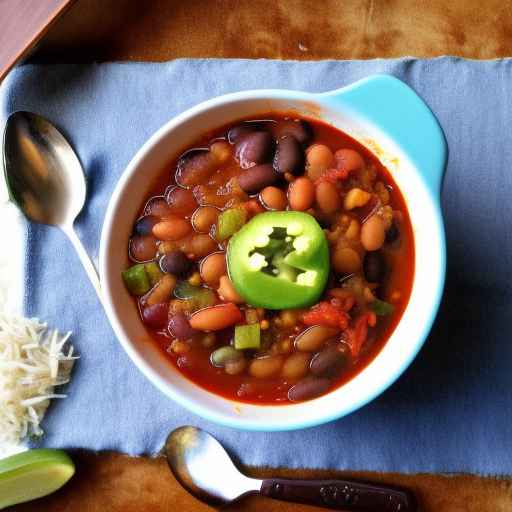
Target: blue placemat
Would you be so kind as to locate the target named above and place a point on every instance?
(451, 411)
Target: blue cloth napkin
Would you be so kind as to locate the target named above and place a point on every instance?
(451, 411)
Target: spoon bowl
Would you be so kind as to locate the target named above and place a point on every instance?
(203, 467)
(45, 178)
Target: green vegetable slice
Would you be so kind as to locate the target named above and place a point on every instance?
(33, 474)
(382, 308)
(136, 279)
(247, 337)
(154, 273)
(229, 222)
(197, 296)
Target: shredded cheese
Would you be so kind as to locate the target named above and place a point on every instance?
(32, 363)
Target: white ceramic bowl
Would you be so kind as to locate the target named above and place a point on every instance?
(382, 113)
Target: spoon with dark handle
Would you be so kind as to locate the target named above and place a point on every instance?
(203, 467)
(45, 178)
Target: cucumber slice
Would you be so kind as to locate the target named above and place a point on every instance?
(33, 474)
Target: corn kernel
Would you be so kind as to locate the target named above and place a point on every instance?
(264, 325)
(355, 198)
(195, 279)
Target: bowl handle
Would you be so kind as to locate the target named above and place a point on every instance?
(403, 116)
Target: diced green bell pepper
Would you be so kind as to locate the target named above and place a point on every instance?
(279, 260)
(136, 279)
(198, 296)
(247, 337)
(382, 308)
(229, 222)
(154, 273)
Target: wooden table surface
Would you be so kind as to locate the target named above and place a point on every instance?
(101, 30)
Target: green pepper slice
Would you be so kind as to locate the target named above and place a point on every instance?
(279, 260)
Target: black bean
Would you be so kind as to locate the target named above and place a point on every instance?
(254, 148)
(175, 262)
(331, 361)
(308, 388)
(374, 267)
(289, 156)
(257, 178)
(300, 129)
(180, 328)
(144, 226)
(393, 233)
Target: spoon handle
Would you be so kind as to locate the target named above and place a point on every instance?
(89, 268)
(347, 495)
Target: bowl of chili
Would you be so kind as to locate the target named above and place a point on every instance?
(262, 289)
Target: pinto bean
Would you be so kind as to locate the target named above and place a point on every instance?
(296, 365)
(195, 167)
(348, 159)
(273, 198)
(256, 178)
(373, 233)
(254, 149)
(289, 156)
(161, 292)
(345, 260)
(204, 218)
(301, 194)
(227, 291)
(172, 228)
(313, 338)
(327, 197)
(216, 318)
(212, 268)
(308, 388)
(265, 367)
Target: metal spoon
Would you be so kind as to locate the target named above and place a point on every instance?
(45, 178)
(203, 467)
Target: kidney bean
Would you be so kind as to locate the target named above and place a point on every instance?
(195, 167)
(204, 218)
(161, 292)
(175, 262)
(330, 361)
(296, 366)
(299, 129)
(348, 159)
(144, 226)
(216, 318)
(256, 178)
(313, 338)
(289, 156)
(225, 355)
(212, 268)
(327, 197)
(273, 198)
(172, 228)
(308, 388)
(156, 315)
(301, 194)
(374, 267)
(241, 130)
(180, 328)
(373, 233)
(158, 207)
(142, 248)
(181, 200)
(227, 291)
(393, 233)
(253, 149)
(345, 260)
(265, 367)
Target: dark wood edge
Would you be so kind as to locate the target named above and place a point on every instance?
(37, 37)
